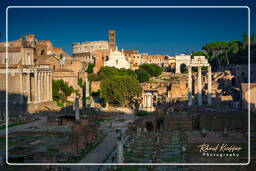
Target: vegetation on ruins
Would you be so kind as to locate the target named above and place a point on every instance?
(120, 89)
(121, 78)
(229, 52)
(81, 82)
(118, 86)
(90, 68)
(93, 77)
(141, 113)
(61, 90)
(146, 71)
(142, 75)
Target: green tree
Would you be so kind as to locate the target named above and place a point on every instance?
(93, 77)
(142, 75)
(90, 68)
(61, 90)
(152, 69)
(119, 89)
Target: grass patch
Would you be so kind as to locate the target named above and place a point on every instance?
(141, 113)
(11, 125)
(52, 150)
(99, 121)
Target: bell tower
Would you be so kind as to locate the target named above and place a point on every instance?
(112, 40)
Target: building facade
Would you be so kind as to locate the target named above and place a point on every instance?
(117, 59)
(28, 82)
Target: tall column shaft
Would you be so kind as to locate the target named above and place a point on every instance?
(21, 88)
(120, 155)
(177, 68)
(29, 88)
(50, 86)
(190, 86)
(209, 93)
(39, 86)
(36, 87)
(42, 86)
(46, 86)
(199, 86)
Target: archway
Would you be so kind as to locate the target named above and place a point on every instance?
(183, 68)
(149, 126)
(43, 52)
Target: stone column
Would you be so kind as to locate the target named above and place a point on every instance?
(199, 86)
(36, 88)
(47, 86)
(144, 101)
(120, 149)
(77, 109)
(189, 85)
(177, 68)
(21, 88)
(87, 87)
(149, 101)
(39, 86)
(42, 86)
(209, 93)
(50, 86)
(29, 88)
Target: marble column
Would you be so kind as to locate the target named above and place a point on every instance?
(209, 93)
(145, 100)
(21, 88)
(149, 101)
(87, 87)
(120, 149)
(47, 86)
(42, 86)
(199, 86)
(77, 109)
(177, 68)
(36, 88)
(29, 88)
(189, 85)
(39, 86)
(44, 89)
(50, 86)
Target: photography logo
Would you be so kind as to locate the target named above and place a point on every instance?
(219, 150)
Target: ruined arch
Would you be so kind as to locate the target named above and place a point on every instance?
(43, 52)
(183, 68)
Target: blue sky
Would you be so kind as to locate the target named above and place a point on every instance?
(156, 31)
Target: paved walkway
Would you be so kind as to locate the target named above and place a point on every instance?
(23, 126)
(99, 154)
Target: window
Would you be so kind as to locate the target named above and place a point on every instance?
(116, 62)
